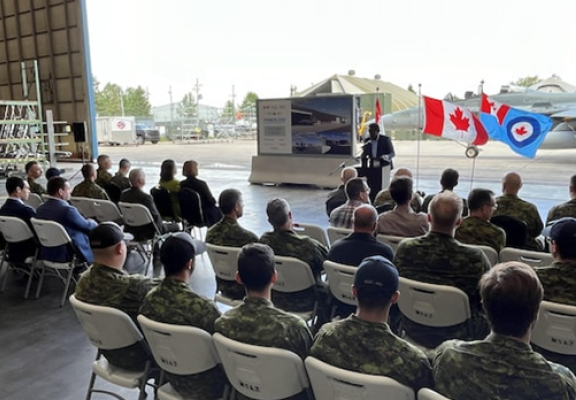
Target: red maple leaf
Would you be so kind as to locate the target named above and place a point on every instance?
(521, 131)
(461, 123)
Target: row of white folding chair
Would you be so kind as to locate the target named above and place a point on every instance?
(34, 200)
(101, 210)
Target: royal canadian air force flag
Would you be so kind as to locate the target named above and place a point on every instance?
(452, 121)
(523, 131)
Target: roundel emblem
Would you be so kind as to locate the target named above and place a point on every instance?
(121, 125)
(523, 130)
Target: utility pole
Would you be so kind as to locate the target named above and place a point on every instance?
(171, 113)
(122, 101)
(197, 90)
(233, 97)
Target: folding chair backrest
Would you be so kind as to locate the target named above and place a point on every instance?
(532, 258)
(313, 231)
(516, 230)
(262, 373)
(15, 229)
(179, 349)
(555, 329)
(106, 211)
(340, 280)
(335, 234)
(224, 261)
(84, 205)
(191, 207)
(433, 305)
(135, 214)
(292, 275)
(329, 383)
(163, 202)
(34, 200)
(50, 233)
(429, 394)
(392, 241)
(106, 327)
(492, 254)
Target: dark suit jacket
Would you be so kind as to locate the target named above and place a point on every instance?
(335, 199)
(75, 224)
(384, 147)
(200, 187)
(137, 196)
(18, 252)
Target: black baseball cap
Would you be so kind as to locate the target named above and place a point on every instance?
(563, 232)
(378, 273)
(179, 248)
(107, 234)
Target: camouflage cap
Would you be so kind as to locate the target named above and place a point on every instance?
(107, 234)
(377, 272)
(563, 232)
(180, 247)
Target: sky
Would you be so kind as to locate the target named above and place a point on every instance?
(265, 46)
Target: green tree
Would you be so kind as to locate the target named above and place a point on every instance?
(187, 108)
(411, 88)
(249, 101)
(136, 102)
(229, 110)
(526, 81)
(107, 101)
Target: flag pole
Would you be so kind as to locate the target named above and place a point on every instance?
(480, 91)
(419, 135)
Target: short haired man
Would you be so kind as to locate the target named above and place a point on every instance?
(173, 302)
(402, 220)
(105, 283)
(357, 193)
(363, 342)
(56, 208)
(337, 197)
(228, 232)
(566, 209)
(88, 188)
(256, 321)
(104, 164)
(448, 181)
(33, 172)
(513, 206)
(18, 192)
(476, 228)
(287, 243)
(120, 179)
(384, 198)
(503, 365)
(439, 259)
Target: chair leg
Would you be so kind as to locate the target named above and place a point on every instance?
(41, 281)
(91, 386)
(5, 272)
(67, 285)
(32, 272)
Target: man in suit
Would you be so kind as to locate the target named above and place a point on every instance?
(18, 191)
(57, 209)
(377, 154)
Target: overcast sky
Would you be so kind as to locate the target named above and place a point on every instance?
(267, 45)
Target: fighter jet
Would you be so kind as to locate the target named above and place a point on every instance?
(561, 107)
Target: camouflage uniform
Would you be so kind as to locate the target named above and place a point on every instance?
(121, 181)
(110, 287)
(89, 190)
(173, 302)
(228, 232)
(474, 230)
(428, 199)
(35, 187)
(371, 348)
(439, 259)
(384, 197)
(567, 209)
(499, 368)
(312, 252)
(514, 206)
(103, 177)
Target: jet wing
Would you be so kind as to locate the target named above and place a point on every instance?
(568, 113)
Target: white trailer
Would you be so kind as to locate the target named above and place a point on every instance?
(116, 130)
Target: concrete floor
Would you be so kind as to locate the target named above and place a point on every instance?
(44, 354)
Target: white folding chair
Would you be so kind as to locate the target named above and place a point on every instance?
(340, 281)
(106, 211)
(15, 230)
(492, 254)
(329, 383)
(262, 373)
(108, 328)
(429, 394)
(294, 275)
(84, 205)
(34, 200)
(225, 263)
(179, 350)
(555, 329)
(313, 231)
(433, 305)
(52, 234)
(532, 258)
(392, 241)
(335, 234)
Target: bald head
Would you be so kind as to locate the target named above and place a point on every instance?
(347, 174)
(403, 172)
(137, 177)
(445, 211)
(364, 219)
(511, 183)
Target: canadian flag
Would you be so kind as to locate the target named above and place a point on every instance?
(452, 121)
(378, 113)
(494, 108)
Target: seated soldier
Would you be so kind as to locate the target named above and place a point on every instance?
(363, 342)
(173, 302)
(87, 188)
(384, 198)
(103, 176)
(120, 179)
(448, 181)
(33, 172)
(566, 209)
(503, 365)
